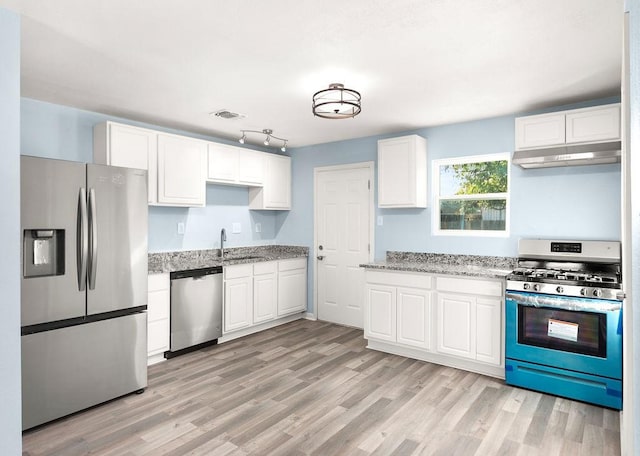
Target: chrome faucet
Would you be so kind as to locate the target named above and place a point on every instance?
(223, 238)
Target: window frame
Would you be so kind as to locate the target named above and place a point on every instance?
(435, 180)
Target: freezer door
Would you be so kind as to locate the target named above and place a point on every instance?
(51, 193)
(117, 269)
(69, 369)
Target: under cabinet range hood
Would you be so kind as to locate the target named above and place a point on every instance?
(581, 154)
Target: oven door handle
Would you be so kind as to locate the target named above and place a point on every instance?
(564, 303)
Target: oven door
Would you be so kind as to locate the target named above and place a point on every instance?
(577, 334)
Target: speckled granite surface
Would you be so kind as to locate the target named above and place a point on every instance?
(196, 259)
(438, 263)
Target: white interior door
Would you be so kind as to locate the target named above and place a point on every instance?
(343, 215)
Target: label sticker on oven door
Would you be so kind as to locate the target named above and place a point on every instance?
(563, 330)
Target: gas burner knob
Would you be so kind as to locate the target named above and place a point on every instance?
(597, 292)
(559, 289)
(536, 287)
(526, 286)
(583, 291)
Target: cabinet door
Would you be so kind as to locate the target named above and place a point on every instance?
(250, 167)
(278, 190)
(158, 314)
(181, 165)
(489, 330)
(539, 131)
(380, 312)
(265, 297)
(130, 147)
(275, 194)
(402, 172)
(594, 124)
(238, 303)
(222, 163)
(292, 291)
(456, 321)
(414, 317)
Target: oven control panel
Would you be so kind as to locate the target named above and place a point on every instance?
(566, 247)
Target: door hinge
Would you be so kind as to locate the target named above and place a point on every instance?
(369, 184)
(369, 248)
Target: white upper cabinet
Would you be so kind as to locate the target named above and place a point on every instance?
(275, 194)
(540, 131)
(181, 170)
(130, 147)
(402, 172)
(234, 165)
(576, 126)
(591, 125)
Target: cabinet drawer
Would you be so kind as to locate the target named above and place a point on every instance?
(237, 271)
(296, 263)
(267, 267)
(158, 282)
(399, 279)
(471, 286)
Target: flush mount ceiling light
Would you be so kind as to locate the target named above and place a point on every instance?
(267, 139)
(336, 102)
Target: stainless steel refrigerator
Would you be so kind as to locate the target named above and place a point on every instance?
(84, 286)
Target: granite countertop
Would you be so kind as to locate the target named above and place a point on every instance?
(196, 259)
(437, 263)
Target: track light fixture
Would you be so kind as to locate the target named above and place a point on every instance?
(267, 140)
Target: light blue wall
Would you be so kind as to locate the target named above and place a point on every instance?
(55, 131)
(11, 409)
(558, 202)
(571, 202)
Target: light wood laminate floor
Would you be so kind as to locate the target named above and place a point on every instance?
(312, 388)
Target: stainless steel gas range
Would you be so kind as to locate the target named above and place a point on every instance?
(564, 320)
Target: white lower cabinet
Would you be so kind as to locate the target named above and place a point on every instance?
(238, 297)
(381, 312)
(263, 292)
(456, 325)
(398, 308)
(292, 286)
(414, 317)
(158, 317)
(443, 319)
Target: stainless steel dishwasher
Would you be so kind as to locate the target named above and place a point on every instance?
(196, 309)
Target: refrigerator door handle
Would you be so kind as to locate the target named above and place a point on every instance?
(82, 247)
(93, 239)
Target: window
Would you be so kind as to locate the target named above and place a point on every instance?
(471, 195)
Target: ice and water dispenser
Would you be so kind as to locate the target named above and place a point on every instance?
(43, 252)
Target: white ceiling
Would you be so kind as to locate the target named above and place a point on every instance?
(417, 63)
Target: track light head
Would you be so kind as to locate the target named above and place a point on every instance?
(241, 140)
(284, 147)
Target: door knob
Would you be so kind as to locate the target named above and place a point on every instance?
(320, 257)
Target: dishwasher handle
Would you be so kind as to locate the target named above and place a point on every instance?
(195, 273)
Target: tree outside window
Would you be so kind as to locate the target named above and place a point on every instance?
(472, 194)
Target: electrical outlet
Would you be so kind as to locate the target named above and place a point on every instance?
(380, 220)
(258, 227)
(180, 227)
(236, 228)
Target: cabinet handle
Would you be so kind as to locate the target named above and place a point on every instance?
(320, 257)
